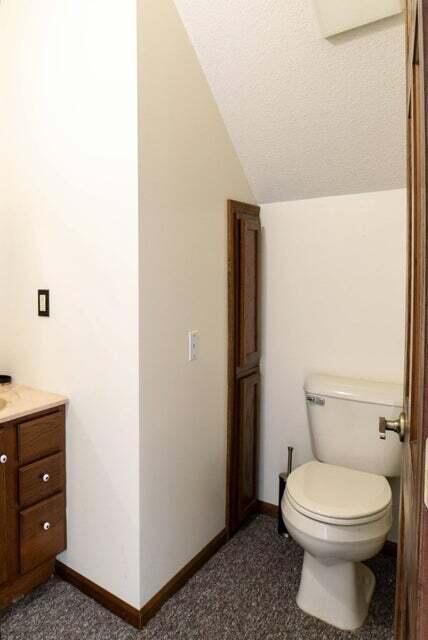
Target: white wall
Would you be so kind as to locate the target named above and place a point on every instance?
(188, 170)
(69, 190)
(333, 301)
(5, 279)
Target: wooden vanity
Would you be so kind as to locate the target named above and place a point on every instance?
(32, 494)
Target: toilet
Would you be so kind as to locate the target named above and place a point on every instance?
(338, 508)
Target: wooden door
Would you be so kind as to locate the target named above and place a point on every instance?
(3, 512)
(244, 359)
(412, 577)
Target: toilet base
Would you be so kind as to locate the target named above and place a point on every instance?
(337, 592)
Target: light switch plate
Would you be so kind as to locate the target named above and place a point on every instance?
(43, 302)
(336, 16)
(193, 339)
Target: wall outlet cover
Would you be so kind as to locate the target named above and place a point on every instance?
(336, 16)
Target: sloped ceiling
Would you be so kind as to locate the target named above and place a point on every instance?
(308, 117)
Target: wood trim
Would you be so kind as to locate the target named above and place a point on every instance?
(102, 596)
(180, 578)
(267, 509)
(243, 208)
(138, 618)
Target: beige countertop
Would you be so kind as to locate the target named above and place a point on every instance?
(19, 400)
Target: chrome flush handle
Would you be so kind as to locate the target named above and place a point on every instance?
(398, 426)
(315, 399)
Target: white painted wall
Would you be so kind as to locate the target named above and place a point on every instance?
(69, 190)
(5, 280)
(188, 170)
(333, 301)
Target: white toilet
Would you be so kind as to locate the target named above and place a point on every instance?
(338, 508)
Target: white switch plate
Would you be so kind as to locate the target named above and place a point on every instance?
(193, 345)
(336, 16)
(43, 302)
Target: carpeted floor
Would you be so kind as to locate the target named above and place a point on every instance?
(246, 592)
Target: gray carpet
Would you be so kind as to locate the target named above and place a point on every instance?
(246, 592)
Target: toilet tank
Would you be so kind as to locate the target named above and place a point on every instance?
(343, 421)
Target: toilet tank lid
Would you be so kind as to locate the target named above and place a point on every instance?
(372, 392)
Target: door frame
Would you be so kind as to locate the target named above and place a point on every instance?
(411, 593)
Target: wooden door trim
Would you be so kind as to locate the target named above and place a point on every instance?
(411, 619)
(240, 210)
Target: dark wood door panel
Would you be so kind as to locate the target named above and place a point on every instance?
(3, 513)
(248, 340)
(248, 443)
(42, 532)
(9, 531)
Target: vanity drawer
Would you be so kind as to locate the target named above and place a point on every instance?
(40, 437)
(42, 532)
(41, 479)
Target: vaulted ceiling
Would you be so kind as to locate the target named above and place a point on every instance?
(308, 116)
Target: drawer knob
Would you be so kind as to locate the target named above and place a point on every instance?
(46, 526)
(46, 477)
(3, 458)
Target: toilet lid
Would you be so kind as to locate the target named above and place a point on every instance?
(338, 493)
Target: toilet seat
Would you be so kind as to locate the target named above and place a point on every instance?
(338, 495)
(337, 521)
(333, 539)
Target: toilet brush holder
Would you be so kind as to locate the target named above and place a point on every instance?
(282, 529)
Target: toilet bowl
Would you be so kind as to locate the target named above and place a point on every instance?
(338, 508)
(335, 586)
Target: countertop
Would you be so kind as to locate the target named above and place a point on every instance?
(23, 401)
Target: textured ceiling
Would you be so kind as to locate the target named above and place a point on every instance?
(308, 117)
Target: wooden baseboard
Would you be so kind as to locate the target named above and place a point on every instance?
(105, 598)
(138, 618)
(171, 587)
(267, 509)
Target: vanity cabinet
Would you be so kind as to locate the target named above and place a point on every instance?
(32, 501)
